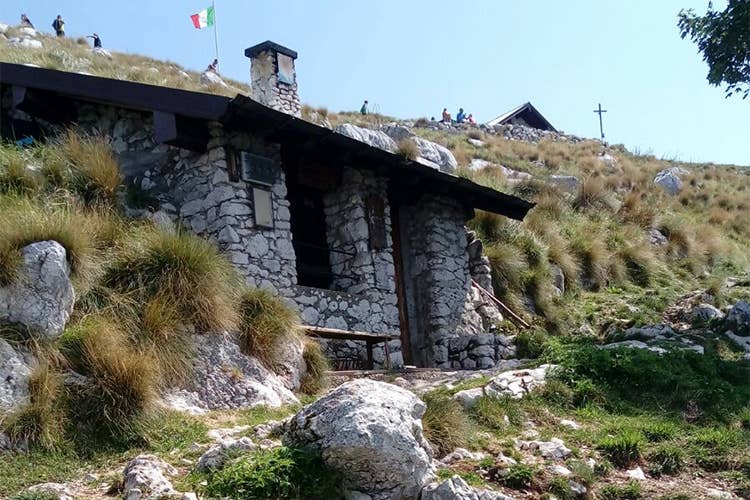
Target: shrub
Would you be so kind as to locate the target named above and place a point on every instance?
(531, 343)
(96, 175)
(445, 424)
(277, 473)
(624, 448)
(189, 270)
(560, 488)
(120, 389)
(659, 430)
(265, 324)
(16, 179)
(316, 365)
(582, 472)
(639, 262)
(613, 492)
(593, 195)
(666, 459)
(518, 476)
(40, 422)
(408, 149)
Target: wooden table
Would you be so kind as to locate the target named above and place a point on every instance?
(370, 340)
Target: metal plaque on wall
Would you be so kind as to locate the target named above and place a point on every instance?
(286, 68)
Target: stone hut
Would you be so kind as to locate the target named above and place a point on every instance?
(357, 238)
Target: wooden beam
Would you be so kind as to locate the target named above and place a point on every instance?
(337, 334)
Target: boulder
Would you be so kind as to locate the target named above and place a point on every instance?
(398, 132)
(636, 474)
(56, 490)
(98, 51)
(374, 138)
(291, 366)
(437, 154)
(42, 298)
(209, 78)
(217, 454)
(554, 449)
(657, 238)
(469, 397)
(225, 378)
(649, 332)
(14, 378)
(669, 179)
(3, 28)
(704, 313)
(479, 164)
(146, 478)
(738, 318)
(462, 454)
(372, 433)
(456, 488)
(25, 43)
(517, 383)
(566, 183)
(27, 31)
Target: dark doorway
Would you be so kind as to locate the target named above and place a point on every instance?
(309, 236)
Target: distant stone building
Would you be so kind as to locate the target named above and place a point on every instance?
(526, 115)
(356, 237)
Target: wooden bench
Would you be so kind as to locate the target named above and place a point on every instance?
(370, 340)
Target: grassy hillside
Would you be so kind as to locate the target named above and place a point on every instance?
(75, 54)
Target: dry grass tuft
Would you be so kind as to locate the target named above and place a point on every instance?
(96, 176)
(408, 149)
(314, 380)
(446, 426)
(189, 270)
(266, 325)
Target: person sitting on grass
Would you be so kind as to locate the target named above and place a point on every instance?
(470, 119)
(59, 25)
(25, 21)
(97, 41)
(461, 116)
(446, 116)
(214, 66)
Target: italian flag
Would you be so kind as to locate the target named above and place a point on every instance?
(204, 18)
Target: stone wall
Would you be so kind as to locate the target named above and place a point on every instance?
(268, 90)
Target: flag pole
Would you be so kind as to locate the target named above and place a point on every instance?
(216, 33)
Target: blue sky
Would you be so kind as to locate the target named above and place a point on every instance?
(412, 58)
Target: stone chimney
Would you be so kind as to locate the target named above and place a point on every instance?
(273, 77)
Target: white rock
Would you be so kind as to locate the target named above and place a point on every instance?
(436, 154)
(42, 298)
(743, 342)
(669, 179)
(719, 494)
(559, 470)
(14, 378)
(372, 433)
(577, 488)
(456, 488)
(554, 449)
(145, 478)
(570, 423)
(479, 164)
(517, 383)
(476, 142)
(224, 378)
(25, 43)
(634, 344)
(61, 491)
(649, 332)
(98, 51)
(217, 454)
(469, 397)
(636, 474)
(374, 138)
(567, 183)
(27, 31)
(209, 78)
(3, 28)
(462, 454)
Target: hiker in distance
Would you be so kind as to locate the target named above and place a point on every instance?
(25, 21)
(59, 25)
(97, 41)
(364, 109)
(214, 66)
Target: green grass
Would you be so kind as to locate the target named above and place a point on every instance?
(277, 473)
(623, 449)
(519, 476)
(613, 492)
(445, 424)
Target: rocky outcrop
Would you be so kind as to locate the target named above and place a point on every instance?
(217, 454)
(566, 183)
(146, 478)
(42, 298)
(554, 449)
(211, 78)
(225, 378)
(513, 383)
(670, 180)
(14, 377)
(374, 138)
(436, 155)
(52, 490)
(738, 318)
(456, 488)
(372, 433)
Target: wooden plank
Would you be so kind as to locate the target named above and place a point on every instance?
(335, 333)
(513, 316)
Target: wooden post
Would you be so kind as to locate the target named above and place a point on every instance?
(370, 363)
